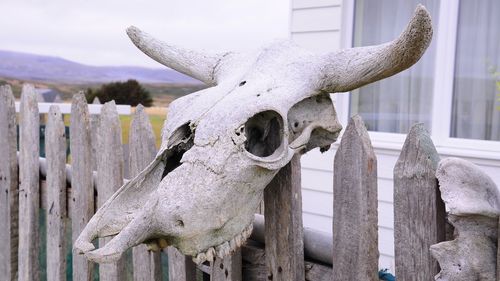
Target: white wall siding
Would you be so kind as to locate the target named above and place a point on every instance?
(315, 24)
(304, 4)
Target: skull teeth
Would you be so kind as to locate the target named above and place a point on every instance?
(225, 248)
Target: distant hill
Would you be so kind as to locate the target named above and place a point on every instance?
(32, 67)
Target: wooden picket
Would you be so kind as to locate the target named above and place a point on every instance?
(8, 185)
(109, 176)
(29, 197)
(355, 238)
(142, 150)
(284, 232)
(279, 248)
(82, 185)
(419, 215)
(56, 195)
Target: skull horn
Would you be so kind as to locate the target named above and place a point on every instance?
(194, 64)
(349, 69)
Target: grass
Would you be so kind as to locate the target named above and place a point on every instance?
(155, 119)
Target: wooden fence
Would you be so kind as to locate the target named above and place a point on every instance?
(279, 248)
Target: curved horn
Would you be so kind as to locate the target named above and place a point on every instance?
(349, 69)
(192, 63)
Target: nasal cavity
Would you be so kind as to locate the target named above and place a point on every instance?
(264, 133)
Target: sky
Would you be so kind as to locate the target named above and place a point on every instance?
(93, 32)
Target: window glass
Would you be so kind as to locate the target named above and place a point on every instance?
(396, 103)
(476, 87)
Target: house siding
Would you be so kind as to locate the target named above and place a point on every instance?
(316, 25)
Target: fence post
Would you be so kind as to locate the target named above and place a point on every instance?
(82, 189)
(419, 214)
(142, 150)
(29, 192)
(355, 237)
(9, 209)
(94, 124)
(180, 267)
(55, 141)
(227, 269)
(109, 176)
(283, 224)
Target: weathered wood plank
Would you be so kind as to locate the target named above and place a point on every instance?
(94, 124)
(81, 181)
(180, 267)
(228, 268)
(498, 253)
(283, 224)
(419, 214)
(142, 150)
(254, 267)
(56, 195)
(29, 198)
(109, 176)
(9, 209)
(355, 237)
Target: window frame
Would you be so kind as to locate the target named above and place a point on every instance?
(444, 71)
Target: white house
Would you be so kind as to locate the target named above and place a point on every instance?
(453, 90)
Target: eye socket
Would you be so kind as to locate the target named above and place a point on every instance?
(264, 133)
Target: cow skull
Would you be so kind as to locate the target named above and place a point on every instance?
(221, 146)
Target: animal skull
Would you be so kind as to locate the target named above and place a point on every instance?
(473, 206)
(221, 146)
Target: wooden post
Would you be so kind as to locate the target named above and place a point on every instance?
(142, 150)
(9, 209)
(419, 214)
(55, 141)
(82, 189)
(94, 123)
(180, 267)
(283, 224)
(227, 269)
(29, 195)
(355, 237)
(109, 176)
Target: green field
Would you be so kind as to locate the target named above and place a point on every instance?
(156, 122)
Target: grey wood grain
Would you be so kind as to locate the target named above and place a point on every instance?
(228, 268)
(355, 237)
(55, 140)
(283, 224)
(142, 150)
(109, 176)
(94, 123)
(29, 198)
(180, 267)
(9, 208)
(419, 214)
(81, 180)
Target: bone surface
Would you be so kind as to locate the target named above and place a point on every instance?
(221, 146)
(473, 206)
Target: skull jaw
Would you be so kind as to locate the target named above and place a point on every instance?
(205, 218)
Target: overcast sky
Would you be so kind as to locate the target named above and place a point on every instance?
(93, 31)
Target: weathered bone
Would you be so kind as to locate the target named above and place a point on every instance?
(198, 65)
(349, 69)
(221, 146)
(473, 206)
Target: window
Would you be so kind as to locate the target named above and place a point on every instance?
(475, 111)
(468, 94)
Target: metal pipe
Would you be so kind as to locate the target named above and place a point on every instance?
(318, 245)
